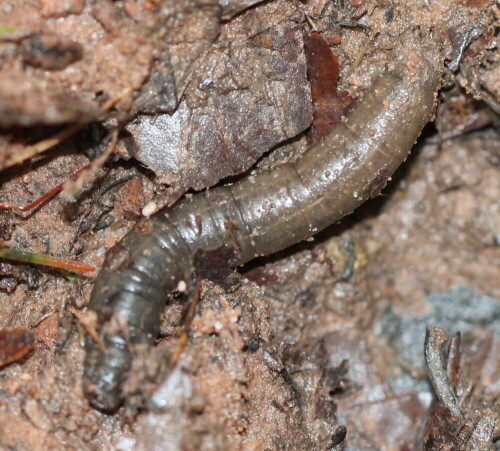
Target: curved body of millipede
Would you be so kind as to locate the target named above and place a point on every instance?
(259, 215)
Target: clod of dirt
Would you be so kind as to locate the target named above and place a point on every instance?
(246, 96)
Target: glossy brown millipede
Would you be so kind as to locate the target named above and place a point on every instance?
(258, 215)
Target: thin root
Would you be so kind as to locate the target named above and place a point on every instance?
(363, 52)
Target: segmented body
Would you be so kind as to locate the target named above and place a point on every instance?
(258, 215)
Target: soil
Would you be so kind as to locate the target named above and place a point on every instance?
(318, 347)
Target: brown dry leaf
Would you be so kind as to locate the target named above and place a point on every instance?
(14, 345)
(323, 71)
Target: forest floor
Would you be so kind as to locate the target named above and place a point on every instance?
(318, 347)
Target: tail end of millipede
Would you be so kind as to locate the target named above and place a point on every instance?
(105, 372)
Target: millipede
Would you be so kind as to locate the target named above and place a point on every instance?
(258, 215)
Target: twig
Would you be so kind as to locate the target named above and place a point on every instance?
(363, 52)
(435, 339)
(57, 138)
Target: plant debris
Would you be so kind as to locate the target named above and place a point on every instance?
(14, 345)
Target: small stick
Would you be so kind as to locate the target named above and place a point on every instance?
(44, 259)
(311, 23)
(45, 144)
(41, 199)
(363, 52)
(95, 164)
